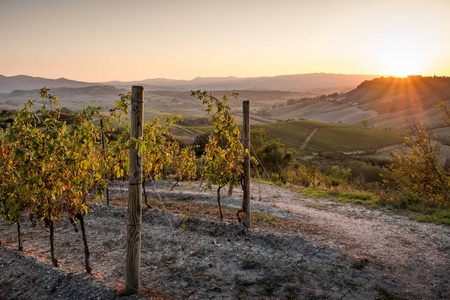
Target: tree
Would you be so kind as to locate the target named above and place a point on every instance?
(273, 155)
(446, 111)
(419, 172)
(224, 154)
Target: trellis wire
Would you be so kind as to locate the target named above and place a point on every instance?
(173, 232)
(270, 179)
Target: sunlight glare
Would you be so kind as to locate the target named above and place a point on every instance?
(403, 55)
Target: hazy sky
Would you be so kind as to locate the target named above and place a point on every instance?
(100, 40)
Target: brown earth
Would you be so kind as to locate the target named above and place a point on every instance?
(340, 251)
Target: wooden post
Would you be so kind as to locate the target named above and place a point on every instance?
(103, 149)
(246, 143)
(133, 261)
(230, 190)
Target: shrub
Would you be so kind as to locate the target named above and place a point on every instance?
(418, 172)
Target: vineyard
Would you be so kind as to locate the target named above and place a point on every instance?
(301, 248)
(50, 167)
(54, 174)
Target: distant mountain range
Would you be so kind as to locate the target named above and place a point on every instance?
(297, 83)
(300, 82)
(364, 100)
(23, 82)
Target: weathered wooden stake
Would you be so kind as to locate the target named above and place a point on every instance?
(134, 195)
(230, 190)
(103, 149)
(246, 143)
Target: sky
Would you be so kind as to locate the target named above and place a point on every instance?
(103, 40)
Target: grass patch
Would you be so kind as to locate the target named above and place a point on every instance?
(417, 211)
(422, 213)
(347, 196)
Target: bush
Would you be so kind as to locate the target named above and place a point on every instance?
(418, 172)
(275, 178)
(301, 175)
(362, 173)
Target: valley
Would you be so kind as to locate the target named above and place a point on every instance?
(377, 107)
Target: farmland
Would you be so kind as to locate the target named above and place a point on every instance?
(329, 137)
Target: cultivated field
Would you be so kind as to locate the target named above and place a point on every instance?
(330, 137)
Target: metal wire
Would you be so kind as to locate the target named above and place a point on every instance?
(268, 177)
(183, 256)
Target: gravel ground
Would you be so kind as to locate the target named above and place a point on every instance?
(348, 252)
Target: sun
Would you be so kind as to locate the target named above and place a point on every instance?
(402, 54)
(402, 62)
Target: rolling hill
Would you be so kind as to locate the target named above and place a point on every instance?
(357, 99)
(329, 137)
(414, 94)
(25, 83)
(70, 97)
(380, 103)
(172, 96)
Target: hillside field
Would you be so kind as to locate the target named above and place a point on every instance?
(329, 137)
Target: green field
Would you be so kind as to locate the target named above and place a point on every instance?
(330, 137)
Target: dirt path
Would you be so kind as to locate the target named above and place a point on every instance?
(352, 253)
(308, 138)
(386, 149)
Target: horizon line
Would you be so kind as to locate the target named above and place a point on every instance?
(200, 77)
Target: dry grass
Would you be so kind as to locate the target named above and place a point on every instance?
(211, 212)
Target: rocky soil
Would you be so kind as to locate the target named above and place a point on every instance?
(340, 251)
